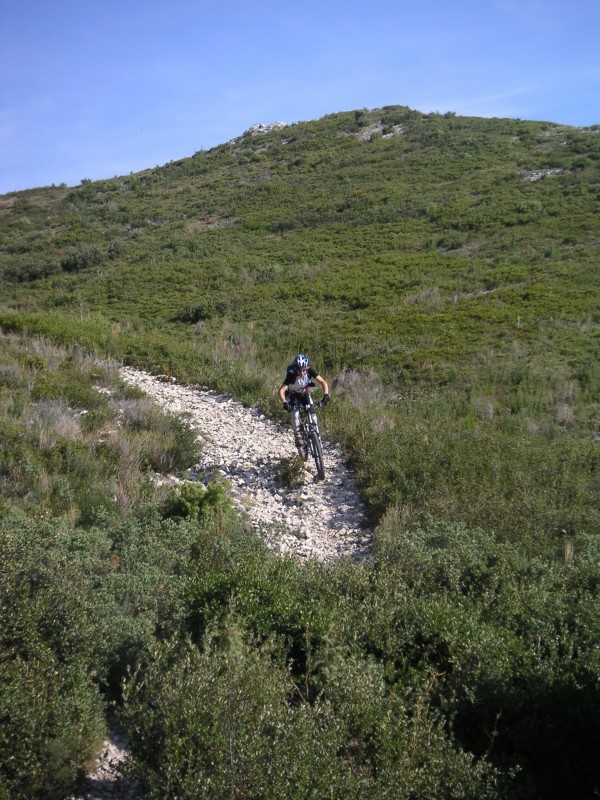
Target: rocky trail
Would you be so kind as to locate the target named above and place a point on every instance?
(319, 519)
(324, 520)
(104, 781)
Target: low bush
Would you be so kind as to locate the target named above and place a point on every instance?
(80, 609)
(74, 441)
(510, 639)
(52, 723)
(199, 502)
(171, 444)
(82, 257)
(290, 473)
(259, 738)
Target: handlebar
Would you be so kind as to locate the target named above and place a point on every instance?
(318, 404)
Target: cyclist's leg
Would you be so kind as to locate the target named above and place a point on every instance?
(310, 407)
(296, 422)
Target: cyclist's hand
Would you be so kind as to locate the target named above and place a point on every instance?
(325, 399)
(287, 406)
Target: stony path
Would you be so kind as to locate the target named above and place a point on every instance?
(321, 519)
(104, 781)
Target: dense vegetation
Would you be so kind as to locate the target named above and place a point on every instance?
(442, 273)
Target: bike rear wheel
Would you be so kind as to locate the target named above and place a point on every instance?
(317, 451)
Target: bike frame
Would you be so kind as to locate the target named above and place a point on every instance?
(311, 436)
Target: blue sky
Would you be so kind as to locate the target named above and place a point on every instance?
(98, 88)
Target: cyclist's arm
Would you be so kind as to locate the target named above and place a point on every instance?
(281, 392)
(322, 383)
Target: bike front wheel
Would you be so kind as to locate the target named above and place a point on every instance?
(317, 450)
(305, 446)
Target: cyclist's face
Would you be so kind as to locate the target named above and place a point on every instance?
(301, 371)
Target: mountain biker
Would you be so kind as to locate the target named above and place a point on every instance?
(293, 392)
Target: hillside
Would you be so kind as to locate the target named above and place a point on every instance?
(436, 266)
(442, 273)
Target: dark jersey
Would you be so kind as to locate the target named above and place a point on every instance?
(298, 383)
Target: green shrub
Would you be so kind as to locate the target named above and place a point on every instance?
(250, 742)
(82, 257)
(508, 638)
(20, 465)
(198, 502)
(70, 386)
(51, 711)
(52, 724)
(167, 443)
(225, 720)
(290, 472)
(79, 610)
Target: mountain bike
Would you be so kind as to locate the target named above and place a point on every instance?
(311, 437)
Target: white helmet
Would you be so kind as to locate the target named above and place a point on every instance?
(301, 361)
